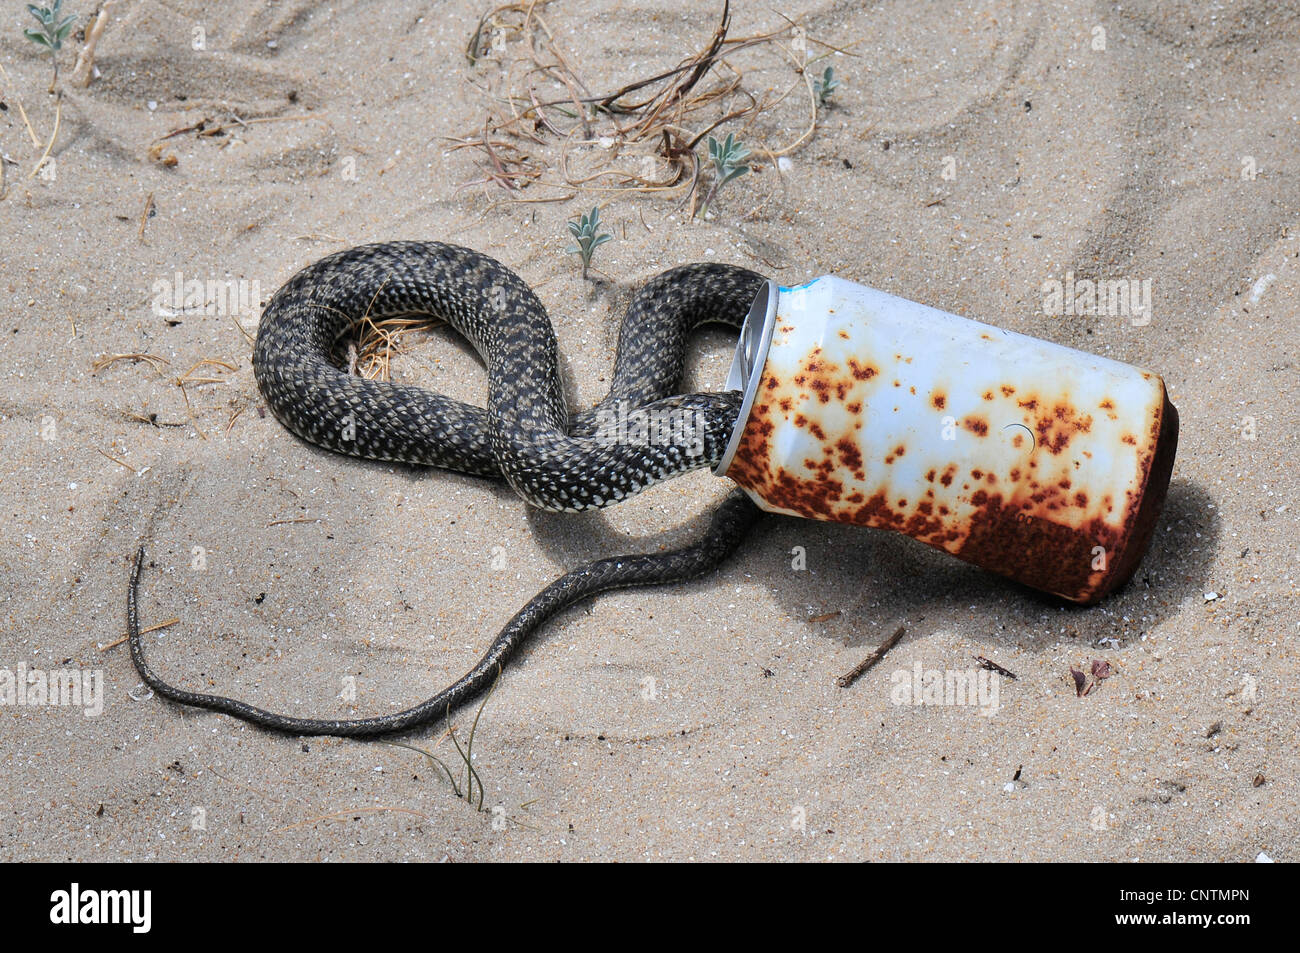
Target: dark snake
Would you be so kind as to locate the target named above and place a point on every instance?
(526, 435)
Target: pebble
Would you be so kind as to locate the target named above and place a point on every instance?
(1259, 287)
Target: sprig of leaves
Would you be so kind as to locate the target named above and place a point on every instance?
(53, 31)
(587, 237)
(826, 86)
(728, 159)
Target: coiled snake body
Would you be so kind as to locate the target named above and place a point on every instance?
(525, 436)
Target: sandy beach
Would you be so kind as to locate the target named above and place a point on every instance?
(973, 154)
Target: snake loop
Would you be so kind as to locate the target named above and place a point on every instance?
(526, 435)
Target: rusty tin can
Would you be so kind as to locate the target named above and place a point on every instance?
(1032, 460)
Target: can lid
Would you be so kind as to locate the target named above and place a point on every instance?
(747, 366)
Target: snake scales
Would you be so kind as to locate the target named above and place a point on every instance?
(525, 436)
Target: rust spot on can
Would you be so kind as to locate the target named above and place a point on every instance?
(861, 372)
(850, 455)
(1056, 429)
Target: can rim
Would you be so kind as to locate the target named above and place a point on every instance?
(747, 365)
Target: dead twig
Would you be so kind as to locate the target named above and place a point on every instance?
(153, 420)
(153, 360)
(844, 681)
(104, 647)
(58, 116)
(85, 66)
(993, 666)
(187, 379)
(120, 463)
(679, 90)
(144, 216)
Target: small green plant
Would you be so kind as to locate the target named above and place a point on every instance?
(52, 32)
(466, 754)
(728, 163)
(826, 86)
(587, 237)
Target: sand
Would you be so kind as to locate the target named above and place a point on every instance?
(974, 152)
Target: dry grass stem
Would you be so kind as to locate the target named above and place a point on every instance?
(544, 128)
(85, 66)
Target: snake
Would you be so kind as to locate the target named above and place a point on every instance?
(526, 436)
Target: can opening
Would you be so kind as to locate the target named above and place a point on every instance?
(747, 366)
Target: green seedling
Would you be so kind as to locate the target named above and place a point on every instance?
(52, 32)
(728, 163)
(469, 775)
(587, 237)
(826, 86)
